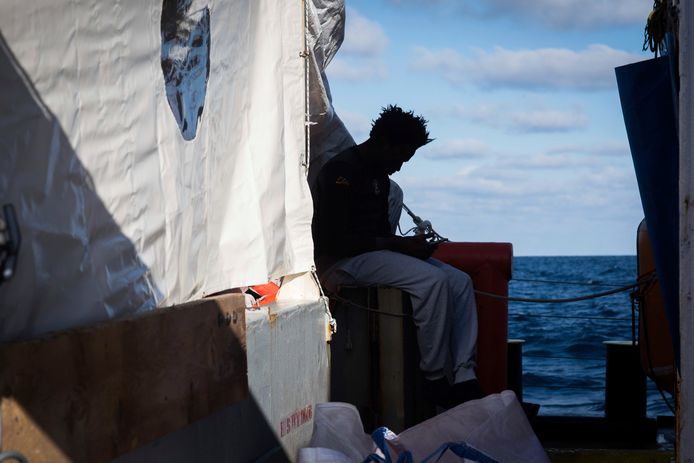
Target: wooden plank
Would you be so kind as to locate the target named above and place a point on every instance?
(392, 356)
(95, 393)
(352, 352)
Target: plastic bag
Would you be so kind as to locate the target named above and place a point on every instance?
(496, 426)
(338, 426)
(383, 436)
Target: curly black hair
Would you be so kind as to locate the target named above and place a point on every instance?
(400, 127)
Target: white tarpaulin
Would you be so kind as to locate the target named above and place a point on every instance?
(326, 32)
(152, 150)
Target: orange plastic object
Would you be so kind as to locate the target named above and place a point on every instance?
(489, 265)
(267, 293)
(655, 341)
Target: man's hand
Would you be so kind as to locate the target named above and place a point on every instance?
(416, 246)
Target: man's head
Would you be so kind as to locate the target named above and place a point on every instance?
(397, 134)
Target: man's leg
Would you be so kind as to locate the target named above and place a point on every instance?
(428, 287)
(463, 343)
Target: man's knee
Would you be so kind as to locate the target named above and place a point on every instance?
(435, 276)
(460, 280)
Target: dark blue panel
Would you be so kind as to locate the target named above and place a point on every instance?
(647, 98)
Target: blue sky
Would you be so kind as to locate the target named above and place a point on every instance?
(530, 146)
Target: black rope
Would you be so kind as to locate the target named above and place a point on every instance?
(569, 317)
(560, 282)
(568, 299)
(557, 386)
(369, 309)
(520, 299)
(563, 357)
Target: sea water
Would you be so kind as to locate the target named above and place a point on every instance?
(564, 357)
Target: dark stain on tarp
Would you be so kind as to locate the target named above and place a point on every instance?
(185, 61)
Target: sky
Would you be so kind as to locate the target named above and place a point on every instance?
(530, 146)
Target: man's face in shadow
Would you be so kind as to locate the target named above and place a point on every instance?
(393, 156)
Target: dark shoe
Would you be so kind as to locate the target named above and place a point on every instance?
(438, 392)
(466, 391)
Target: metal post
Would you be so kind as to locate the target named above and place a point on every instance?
(685, 417)
(515, 367)
(625, 382)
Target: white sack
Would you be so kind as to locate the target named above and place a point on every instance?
(337, 426)
(496, 425)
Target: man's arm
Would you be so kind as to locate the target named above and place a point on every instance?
(336, 187)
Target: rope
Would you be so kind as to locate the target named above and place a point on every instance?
(568, 299)
(564, 357)
(580, 283)
(369, 309)
(661, 21)
(331, 321)
(559, 386)
(643, 281)
(575, 317)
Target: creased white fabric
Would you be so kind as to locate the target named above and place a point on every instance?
(119, 213)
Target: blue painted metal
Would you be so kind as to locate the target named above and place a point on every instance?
(648, 105)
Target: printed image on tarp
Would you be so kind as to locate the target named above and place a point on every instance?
(185, 61)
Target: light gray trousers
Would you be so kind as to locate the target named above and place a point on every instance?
(443, 306)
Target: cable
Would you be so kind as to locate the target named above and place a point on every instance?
(580, 283)
(557, 386)
(369, 309)
(565, 357)
(571, 317)
(568, 299)
(424, 227)
(331, 321)
(514, 299)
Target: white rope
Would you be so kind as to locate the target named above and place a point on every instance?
(326, 302)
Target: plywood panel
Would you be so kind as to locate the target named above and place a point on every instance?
(96, 393)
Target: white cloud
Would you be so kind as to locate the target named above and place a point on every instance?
(465, 148)
(356, 70)
(498, 200)
(556, 14)
(504, 116)
(583, 14)
(544, 161)
(542, 69)
(358, 125)
(360, 57)
(363, 37)
(605, 149)
(548, 120)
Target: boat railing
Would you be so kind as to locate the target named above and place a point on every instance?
(519, 313)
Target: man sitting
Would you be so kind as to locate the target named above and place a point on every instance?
(355, 245)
